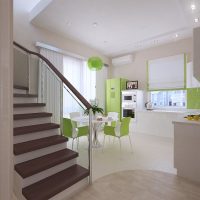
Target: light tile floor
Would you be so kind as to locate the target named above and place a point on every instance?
(149, 153)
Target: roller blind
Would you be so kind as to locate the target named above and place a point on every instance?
(167, 73)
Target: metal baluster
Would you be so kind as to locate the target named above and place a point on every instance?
(90, 146)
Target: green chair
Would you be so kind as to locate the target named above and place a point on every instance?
(121, 130)
(71, 131)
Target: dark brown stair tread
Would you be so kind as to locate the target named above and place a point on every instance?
(19, 105)
(33, 145)
(37, 165)
(20, 87)
(25, 95)
(50, 186)
(34, 128)
(31, 115)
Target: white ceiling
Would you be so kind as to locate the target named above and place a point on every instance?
(25, 5)
(123, 26)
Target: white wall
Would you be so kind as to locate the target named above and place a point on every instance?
(137, 70)
(6, 100)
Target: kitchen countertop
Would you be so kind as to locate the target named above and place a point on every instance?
(186, 121)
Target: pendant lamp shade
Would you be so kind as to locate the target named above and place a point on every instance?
(95, 63)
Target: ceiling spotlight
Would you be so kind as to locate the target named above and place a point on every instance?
(193, 6)
(176, 35)
(196, 20)
(68, 23)
(95, 24)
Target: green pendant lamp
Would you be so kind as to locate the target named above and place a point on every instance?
(95, 63)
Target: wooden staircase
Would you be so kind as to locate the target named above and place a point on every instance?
(44, 167)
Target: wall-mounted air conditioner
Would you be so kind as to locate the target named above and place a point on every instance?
(123, 60)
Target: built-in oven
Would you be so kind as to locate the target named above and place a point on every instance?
(128, 109)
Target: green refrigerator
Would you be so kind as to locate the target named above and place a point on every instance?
(113, 95)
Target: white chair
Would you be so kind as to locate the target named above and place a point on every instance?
(114, 116)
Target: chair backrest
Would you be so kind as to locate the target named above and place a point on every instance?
(114, 115)
(74, 114)
(124, 127)
(67, 127)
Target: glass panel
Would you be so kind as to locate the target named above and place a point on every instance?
(74, 124)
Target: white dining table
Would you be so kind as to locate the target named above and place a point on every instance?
(96, 124)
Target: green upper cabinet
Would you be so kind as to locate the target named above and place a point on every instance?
(113, 94)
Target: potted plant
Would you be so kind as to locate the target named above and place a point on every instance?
(95, 110)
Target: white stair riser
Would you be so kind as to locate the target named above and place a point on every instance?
(19, 91)
(25, 100)
(24, 110)
(71, 191)
(32, 121)
(38, 153)
(35, 135)
(44, 174)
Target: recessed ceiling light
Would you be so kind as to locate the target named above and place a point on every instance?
(193, 6)
(176, 35)
(95, 24)
(68, 23)
(196, 20)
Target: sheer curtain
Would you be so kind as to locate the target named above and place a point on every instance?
(84, 80)
(49, 85)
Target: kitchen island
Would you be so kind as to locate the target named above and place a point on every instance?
(187, 149)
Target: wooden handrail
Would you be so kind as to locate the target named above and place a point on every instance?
(62, 78)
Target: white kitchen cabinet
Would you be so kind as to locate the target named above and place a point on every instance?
(191, 81)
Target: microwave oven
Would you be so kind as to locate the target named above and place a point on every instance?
(129, 96)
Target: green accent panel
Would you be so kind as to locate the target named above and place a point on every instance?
(113, 94)
(193, 98)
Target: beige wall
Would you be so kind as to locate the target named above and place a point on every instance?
(137, 70)
(6, 100)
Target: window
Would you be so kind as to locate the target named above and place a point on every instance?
(83, 79)
(168, 99)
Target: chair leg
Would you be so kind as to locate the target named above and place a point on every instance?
(104, 140)
(72, 143)
(120, 144)
(113, 140)
(77, 143)
(130, 143)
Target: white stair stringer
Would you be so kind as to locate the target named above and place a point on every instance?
(36, 135)
(38, 153)
(31, 121)
(24, 182)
